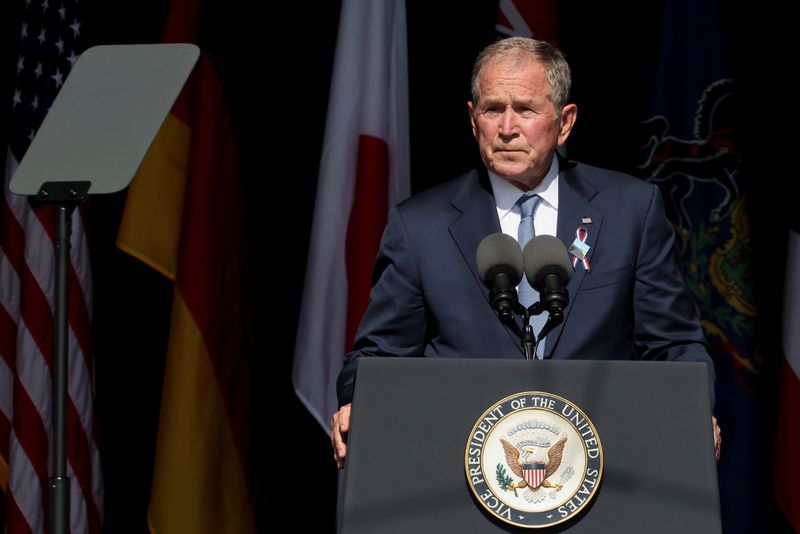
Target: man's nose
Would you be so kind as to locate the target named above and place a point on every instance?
(508, 123)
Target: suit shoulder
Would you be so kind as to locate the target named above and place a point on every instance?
(611, 188)
(438, 197)
(606, 180)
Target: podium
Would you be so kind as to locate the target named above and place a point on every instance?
(412, 418)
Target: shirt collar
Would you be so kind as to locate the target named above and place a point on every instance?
(506, 194)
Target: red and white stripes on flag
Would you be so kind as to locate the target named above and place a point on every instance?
(27, 281)
(49, 43)
(787, 461)
(364, 170)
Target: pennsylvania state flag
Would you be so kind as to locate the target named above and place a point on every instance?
(690, 151)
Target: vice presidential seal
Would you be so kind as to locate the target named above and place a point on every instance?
(534, 459)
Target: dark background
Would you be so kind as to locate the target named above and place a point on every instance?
(274, 62)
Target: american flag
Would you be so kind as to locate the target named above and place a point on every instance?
(49, 45)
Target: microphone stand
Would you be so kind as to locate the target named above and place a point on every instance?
(525, 334)
(505, 303)
(529, 341)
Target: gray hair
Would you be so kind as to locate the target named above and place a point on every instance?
(555, 65)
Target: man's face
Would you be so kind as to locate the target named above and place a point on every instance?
(515, 123)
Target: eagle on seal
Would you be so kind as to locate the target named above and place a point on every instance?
(533, 471)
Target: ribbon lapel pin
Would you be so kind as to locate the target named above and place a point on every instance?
(579, 249)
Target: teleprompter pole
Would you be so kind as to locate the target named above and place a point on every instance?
(64, 196)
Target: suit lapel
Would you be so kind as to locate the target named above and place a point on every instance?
(574, 196)
(477, 219)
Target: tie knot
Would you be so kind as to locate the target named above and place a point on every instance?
(527, 205)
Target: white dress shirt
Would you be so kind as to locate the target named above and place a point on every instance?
(506, 194)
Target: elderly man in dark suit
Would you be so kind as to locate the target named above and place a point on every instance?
(628, 300)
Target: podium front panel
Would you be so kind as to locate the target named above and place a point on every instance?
(412, 417)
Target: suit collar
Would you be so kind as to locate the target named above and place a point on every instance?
(477, 216)
(475, 189)
(506, 194)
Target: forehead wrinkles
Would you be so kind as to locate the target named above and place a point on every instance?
(513, 81)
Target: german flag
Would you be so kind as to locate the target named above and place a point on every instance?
(183, 218)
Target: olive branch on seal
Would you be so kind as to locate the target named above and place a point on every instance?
(504, 480)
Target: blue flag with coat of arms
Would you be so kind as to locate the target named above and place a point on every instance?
(690, 152)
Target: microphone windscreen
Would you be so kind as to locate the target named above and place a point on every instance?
(543, 255)
(499, 253)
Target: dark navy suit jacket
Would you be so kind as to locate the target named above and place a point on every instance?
(427, 298)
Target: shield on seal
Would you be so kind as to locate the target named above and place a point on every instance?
(533, 474)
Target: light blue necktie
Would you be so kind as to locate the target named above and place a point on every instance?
(528, 295)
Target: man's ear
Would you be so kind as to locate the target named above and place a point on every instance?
(471, 108)
(569, 114)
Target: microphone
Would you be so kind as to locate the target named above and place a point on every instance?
(499, 260)
(548, 270)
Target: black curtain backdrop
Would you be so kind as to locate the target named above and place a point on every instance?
(274, 62)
